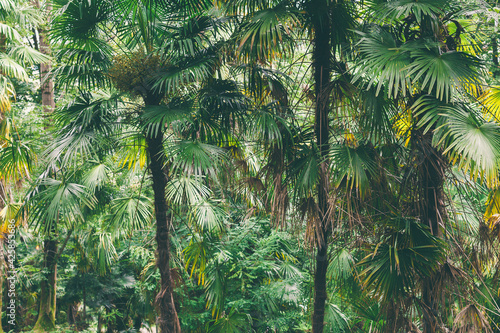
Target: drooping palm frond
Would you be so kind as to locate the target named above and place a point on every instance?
(54, 201)
(16, 160)
(270, 127)
(133, 154)
(187, 189)
(215, 285)
(129, 214)
(416, 64)
(407, 250)
(341, 267)
(96, 176)
(376, 117)
(232, 322)
(471, 319)
(196, 158)
(79, 20)
(442, 74)
(10, 32)
(222, 103)
(491, 101)
(187, 69)
(461, 132)
(305, 171)
(155, 118)
(7, 92)
(355, 165)
(12, 68)
(85, 65)
(267, 33)
(10, 212)
(189, 38)
(106, 252)
(385, 61)
(400, 9)
(493, 204)
(196, 256)
(87, 123)
(335, 319)
(27, 55)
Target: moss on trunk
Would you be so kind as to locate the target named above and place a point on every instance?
(47, 313)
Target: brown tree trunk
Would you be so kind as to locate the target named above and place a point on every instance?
(167, 320)
(433, 211)
(47, 313)
(321, 64)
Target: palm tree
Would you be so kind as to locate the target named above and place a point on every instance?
(162, 48)
(420, 63)
(51, 204)
(265, 28)
(16, 158)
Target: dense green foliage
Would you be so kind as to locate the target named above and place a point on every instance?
(200, 174)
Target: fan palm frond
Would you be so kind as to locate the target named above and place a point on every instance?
(96, 176)
(130, 213)
(399, 9)
(232, 322)
(386, 62)
(27, 55)
(408, 250)
(443, 73)
(267, 33)
(354, 164)
(16, 160)
(187, 189)
(53, 201)
(335, 319)
(196, 158)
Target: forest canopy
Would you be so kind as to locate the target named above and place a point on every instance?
(249, 166)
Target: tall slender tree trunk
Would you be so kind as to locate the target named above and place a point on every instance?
(46, 82)
(167, 320)
(433, 211)
(47, 313)
(321, 64)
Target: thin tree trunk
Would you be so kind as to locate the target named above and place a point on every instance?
(47, 84)
(167, 320)
(321, 63)
(47, 313)
(433, 211)
(84, 301)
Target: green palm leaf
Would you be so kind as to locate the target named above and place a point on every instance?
(16, 160)
(443, 74)
(385, 61)
(407, 251)
(399, 9)
(267, 32)
(53, 201)
(129, 214)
